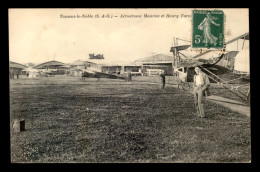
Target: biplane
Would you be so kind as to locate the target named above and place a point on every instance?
(96, 73)
(47, 73)
(31, 73)
(98, 56)
(183, 67)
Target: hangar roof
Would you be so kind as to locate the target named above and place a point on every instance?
(17, 65)
(50, 63)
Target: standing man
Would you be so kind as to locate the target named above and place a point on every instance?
(162, 75)
(129, 76)
(17, 75)
(201, 84)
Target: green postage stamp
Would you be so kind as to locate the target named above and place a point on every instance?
(207, 29)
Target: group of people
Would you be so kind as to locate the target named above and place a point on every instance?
(201, 85)
(12, 74)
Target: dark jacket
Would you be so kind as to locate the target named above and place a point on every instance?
(162, 75)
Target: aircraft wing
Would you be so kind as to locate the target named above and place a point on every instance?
(179, 48)
(106, 75)
(101, 75)
(243, 36)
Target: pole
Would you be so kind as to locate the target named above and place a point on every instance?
(215, 76)
(176, 57)
(243, 43)
(173, 61)
(237, 45)
(227, 57)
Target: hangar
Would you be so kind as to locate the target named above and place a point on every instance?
(15, 69)
(55, 67)
(150, 65)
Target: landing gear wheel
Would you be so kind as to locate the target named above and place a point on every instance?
(186, 86)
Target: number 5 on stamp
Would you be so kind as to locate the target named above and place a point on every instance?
(207, 29)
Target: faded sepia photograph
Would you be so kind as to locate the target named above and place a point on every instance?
(134, 85)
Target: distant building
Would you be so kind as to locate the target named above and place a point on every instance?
(85, 64)
(112, 69)
(150, 65)
(76, 67)
(15, 69)
(57, 68)
(121, 69)
(31, 65)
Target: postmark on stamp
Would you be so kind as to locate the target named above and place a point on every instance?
(208, 29)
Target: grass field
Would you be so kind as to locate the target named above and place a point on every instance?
(115, 121)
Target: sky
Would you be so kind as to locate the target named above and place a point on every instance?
(40, 35)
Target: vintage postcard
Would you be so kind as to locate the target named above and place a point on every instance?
(129, 85)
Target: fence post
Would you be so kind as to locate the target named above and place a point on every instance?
(22, 125)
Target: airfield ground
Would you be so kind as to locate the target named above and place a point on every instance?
(114, 121)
